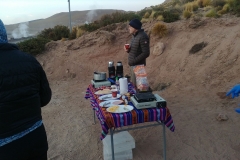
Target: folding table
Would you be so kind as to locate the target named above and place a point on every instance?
(112, 121)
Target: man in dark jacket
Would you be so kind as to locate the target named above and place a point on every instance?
(139, 47)
(24, 89)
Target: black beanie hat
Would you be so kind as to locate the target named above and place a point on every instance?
(135, 23)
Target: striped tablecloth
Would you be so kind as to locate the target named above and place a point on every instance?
(115, 120)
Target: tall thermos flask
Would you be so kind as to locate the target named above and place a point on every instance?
(111, 70)
(119, 70)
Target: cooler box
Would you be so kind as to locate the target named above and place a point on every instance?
(123, 145)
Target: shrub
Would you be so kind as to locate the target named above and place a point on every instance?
(203, 3)
(158, 8)
(63, 39)
(141, 13)
(225, 9)
(73, 34)
(56, 33)
(106, 20)
(176, 2)
(187, 1)
(218, 8)
(146, 15)
(206, 3)
(234, 6)
(61, 32)
(33, 46)
(160, 18)
(170, 16)
(47, 33)
(212, 13)
(80, 32)
(156, 14)
(216, 3)
(208, 8)
(187, 14)
(90, 27)
(152, 14)
(192, 6)
(144, 20)
(160, 29)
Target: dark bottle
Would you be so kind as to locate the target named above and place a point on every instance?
(111, 70)
(119, 70)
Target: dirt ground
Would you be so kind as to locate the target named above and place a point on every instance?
(194, 88)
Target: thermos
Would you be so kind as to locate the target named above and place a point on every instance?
(119, 70)
(111, 70)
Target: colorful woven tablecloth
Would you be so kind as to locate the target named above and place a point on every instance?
(115, 120)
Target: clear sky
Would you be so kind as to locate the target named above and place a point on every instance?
(15, 11)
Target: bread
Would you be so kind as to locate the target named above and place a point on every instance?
(113, 109)
(104, 91)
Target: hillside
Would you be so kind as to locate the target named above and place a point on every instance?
(195, 85)
(77, 17)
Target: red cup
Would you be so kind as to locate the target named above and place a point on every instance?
(127, 46)
(114, 93)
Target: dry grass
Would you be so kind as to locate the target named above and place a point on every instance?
(160, 18)
(80, 32)
(160, 29)
(146, 15)
(191, 6)
(187, 14)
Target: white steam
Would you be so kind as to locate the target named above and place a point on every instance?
(90, 15)
(21, 31)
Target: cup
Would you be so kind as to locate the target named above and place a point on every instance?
(127, 46)
(113, 87)
(114, 92)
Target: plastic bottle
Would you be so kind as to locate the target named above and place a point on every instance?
(117, 83)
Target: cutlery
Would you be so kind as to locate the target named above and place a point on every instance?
(107, 97)
(126, 109)
(106, 103)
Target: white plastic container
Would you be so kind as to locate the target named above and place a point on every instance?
(125, 155)
(123, 85)
(123, 141)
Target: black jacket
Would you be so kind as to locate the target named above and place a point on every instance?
(24, 89)
(139, 49)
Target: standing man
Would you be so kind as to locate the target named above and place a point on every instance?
(24, 89)
(139, 48)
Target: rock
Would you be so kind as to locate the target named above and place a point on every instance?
(158, 49)
(222, 117)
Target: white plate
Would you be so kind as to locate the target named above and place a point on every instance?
(109, 97)
(121, 108)
(110, 103)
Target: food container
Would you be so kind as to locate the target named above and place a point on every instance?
(99, 76)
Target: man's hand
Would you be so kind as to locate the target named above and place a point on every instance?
(234, 91)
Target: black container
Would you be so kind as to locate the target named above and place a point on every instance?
(111, 70)
(119, 70)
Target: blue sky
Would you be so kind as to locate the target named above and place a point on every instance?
(15, 11)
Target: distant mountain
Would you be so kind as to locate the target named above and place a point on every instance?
(33, 27)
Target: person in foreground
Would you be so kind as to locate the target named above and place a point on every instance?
(24, 89)
(235, 93)
(139, 48)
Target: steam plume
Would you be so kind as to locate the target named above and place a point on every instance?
(90, 15)
(21, 31)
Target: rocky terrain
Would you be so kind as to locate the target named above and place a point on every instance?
(193, 84)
